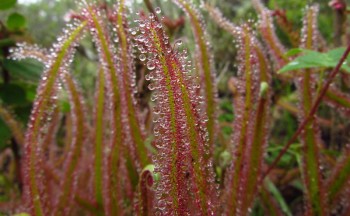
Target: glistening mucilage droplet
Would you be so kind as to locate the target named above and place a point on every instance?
(151, 65)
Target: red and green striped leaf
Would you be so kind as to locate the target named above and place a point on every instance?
(46, 90)
(78, 121)
(310, 137)
(205, 67)
(181, 148)
(136, 135)
(250, 126)
(113, 149)
(267, 31)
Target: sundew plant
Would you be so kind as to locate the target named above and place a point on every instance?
(165, 149)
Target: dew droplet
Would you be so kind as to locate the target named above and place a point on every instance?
(142, 57)
(142, 24)
(158, 10)
(150, 65)
(151, 86)
(147, 77)
(178, 43)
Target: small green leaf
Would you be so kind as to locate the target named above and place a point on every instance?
(7, 4)
(226, 105)
(7, 42)
(313, 59)
(27, 70)
(13, 94)
(16, 21)
(5, 135)
(226, 117)
(293, 52)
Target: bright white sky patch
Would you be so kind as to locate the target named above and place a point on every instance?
(27, 1)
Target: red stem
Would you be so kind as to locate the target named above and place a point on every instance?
(311, 114)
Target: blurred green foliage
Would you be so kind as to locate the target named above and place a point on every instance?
(7, 4)
(13, 92)
(15, 22)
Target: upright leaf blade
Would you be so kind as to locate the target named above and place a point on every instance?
(205, 65)
(250, 126)
(267, 31)
(99, 114)
(248, 152)
(45, 91)
(112, 158)
(136, 135)
(78, 131)
(310, 136)
(181, 147)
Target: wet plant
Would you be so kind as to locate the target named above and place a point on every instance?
(114, 154)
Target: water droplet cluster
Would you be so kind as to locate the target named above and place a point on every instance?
(56, 64)
(218, 17)
(204, 67)
(250, 108)
(180, 129)
(24, 50)
(267, 30)
(126, 130)
(311, 136)
(309, 33)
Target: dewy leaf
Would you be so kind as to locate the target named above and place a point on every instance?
(47, 87)
(310, 137)
(180, 132)
(224, 23)
(114, 86)
(205, 65)
(78, 131)
(137, 134)
(254, 149)
(313, 59)
(99, 133)
(250, 125)
(267, 31)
